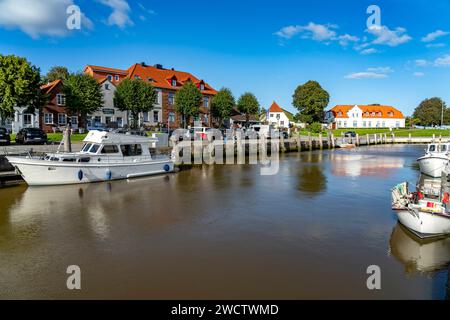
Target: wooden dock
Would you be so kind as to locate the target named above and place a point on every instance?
(9, 176)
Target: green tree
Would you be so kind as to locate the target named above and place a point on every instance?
(249, 105)
(222, 104)
(19, 84)
(310, 99)
(56, 73)
(429, 111)
(187, 101)
(83, 95)
(135, 96)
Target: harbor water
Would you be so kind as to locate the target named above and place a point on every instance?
(225, 232)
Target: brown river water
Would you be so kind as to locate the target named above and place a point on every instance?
(225, 232)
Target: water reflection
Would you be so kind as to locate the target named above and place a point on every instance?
(417, 255)
(353, 164)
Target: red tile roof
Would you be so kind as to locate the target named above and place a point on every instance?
(47, 88)
(162, 78)
(275, 108)
(159, 77)
(372, 111)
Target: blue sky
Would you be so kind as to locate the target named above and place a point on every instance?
(267, 48)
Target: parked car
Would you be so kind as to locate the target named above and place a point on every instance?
(31, 136)
(263, 130)
(5, 138)
(350, 134)
(200, 133)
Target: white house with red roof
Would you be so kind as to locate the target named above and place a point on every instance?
(279, 117)
(364, 116)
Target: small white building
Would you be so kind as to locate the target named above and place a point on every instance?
(279, 117)
(23, 117)
(108, 113)
(364, 116)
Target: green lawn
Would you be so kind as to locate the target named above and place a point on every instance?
(398, 132)
(57, 137)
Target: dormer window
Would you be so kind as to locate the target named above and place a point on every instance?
(340, 114)
(202, 86)
(151, 80)
(109, 77)
(137, 77)
(116, 77)
(367, 113)
(390, 114)
(379, 114)
(61, 99)
(174, 82)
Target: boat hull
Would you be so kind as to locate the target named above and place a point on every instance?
(424, 224)
(432, 166)
(44, 173)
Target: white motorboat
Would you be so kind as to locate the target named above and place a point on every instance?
(104, 156)
(425, 212)
(435, 159)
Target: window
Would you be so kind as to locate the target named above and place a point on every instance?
(151, 80)
(129, 150)
(282, 123)
(94, 148)
(370, 124)
(345, 124)
(116, 77)
(271, 115)
(391, 114)
(61, 99)
(110, 149)
(171, 98)
(108, 120)
(137, 77)
(205, 118)
(119, 121)
(62, 118)
(340, 114)
(109, 77)
(174, 82)
(86, 147)
(97, 120)
(355, 124)
(202, 87)
(106, 86)
(145, 116)
(48, 118)
(206, 102)
(155, 116)
(171, 117)
(397, 124)
(74, 120)
(379, 114)
(27, 119)
(383, 124)
(364, 123)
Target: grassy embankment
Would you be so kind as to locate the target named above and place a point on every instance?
(397, 132)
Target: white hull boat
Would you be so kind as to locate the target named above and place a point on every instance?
(424, 224)
(435, 159)
(426, 212)
(105, 156)
(433, 165)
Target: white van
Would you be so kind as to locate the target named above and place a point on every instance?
(262, 129)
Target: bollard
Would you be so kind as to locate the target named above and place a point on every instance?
(367, 139)
(357, 139)
(332, 140)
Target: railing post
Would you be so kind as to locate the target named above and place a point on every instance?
(332, 140)
(320, 141)
(375, 138)
(299, 143)
(367, 139)
(310, 140)
(357, 139)
(434, 137)
(409, 138)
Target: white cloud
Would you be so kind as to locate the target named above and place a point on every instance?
(435, 45)
(418, 74)
(366, 75)
(381, 69)
(421, 63)
(317, 32)
(434, 35)
(443, 61)
(385, 36)
(369, 51)
(371, 73)
(36, 18)
(120, 15)
(346, 38)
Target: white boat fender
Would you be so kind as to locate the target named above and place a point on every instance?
(80, 175)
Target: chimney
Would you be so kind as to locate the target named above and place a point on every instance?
(143, 64)
(158, 66)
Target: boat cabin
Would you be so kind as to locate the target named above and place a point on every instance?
(106, 146)
(438, 148)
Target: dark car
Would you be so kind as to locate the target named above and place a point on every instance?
(31, 136)
(350, 134)
(4, 136)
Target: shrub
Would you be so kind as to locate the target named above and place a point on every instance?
(315, 127)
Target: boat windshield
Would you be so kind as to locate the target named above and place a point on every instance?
(432, 148)
(90, 148)
(443, 148)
